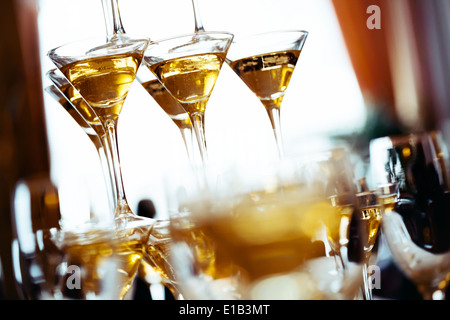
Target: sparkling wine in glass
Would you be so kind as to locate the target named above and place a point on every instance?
(102, 71)
(188, 67)
(411, 173)
(265, 63)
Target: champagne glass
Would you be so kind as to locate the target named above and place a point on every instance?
(92, 260)
(93, 245)
(350, 241)
(411, 172)
(102, 71)
(166, 101)
(188, 67)
(371, 218)
(171, 106)
(68, 97)
(265, 63)
(261, 231)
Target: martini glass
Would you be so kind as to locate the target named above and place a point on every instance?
(188, 67)
(67, 96)
(102, 71)
(166, 101)
(93, 244)
(171, 107)
(265, 63)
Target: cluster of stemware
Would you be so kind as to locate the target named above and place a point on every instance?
(302, 227)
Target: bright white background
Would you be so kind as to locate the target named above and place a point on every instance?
(323, 96)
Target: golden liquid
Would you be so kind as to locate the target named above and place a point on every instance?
(261, 236)
(202, 247)
(371, 221)
(126, 254)
(339, 237)
(104, 82)
(267, 75)
(168, 103)
(371, 217)
(157, 257)
(80, 111)
(190, 79)
(159, 260)
(158, 250)
(93, 131)
(388, 201)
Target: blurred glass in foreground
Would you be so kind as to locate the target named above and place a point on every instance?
(265, 231)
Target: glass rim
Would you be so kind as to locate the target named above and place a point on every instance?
(215, 42)
(94, 41)
(255, 44)
(238, 38)
(186, 35)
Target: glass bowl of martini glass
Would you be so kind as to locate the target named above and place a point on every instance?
(265, 63)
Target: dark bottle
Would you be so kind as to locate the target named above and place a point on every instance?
(424, 199)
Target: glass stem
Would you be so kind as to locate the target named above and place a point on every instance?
(186, 133)
(274, 116)
(197, 17)
(198, 124)
(105, 162)
(101, 145)
(341, 259)
(113, 21)
(365, 287)
(121, 203)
